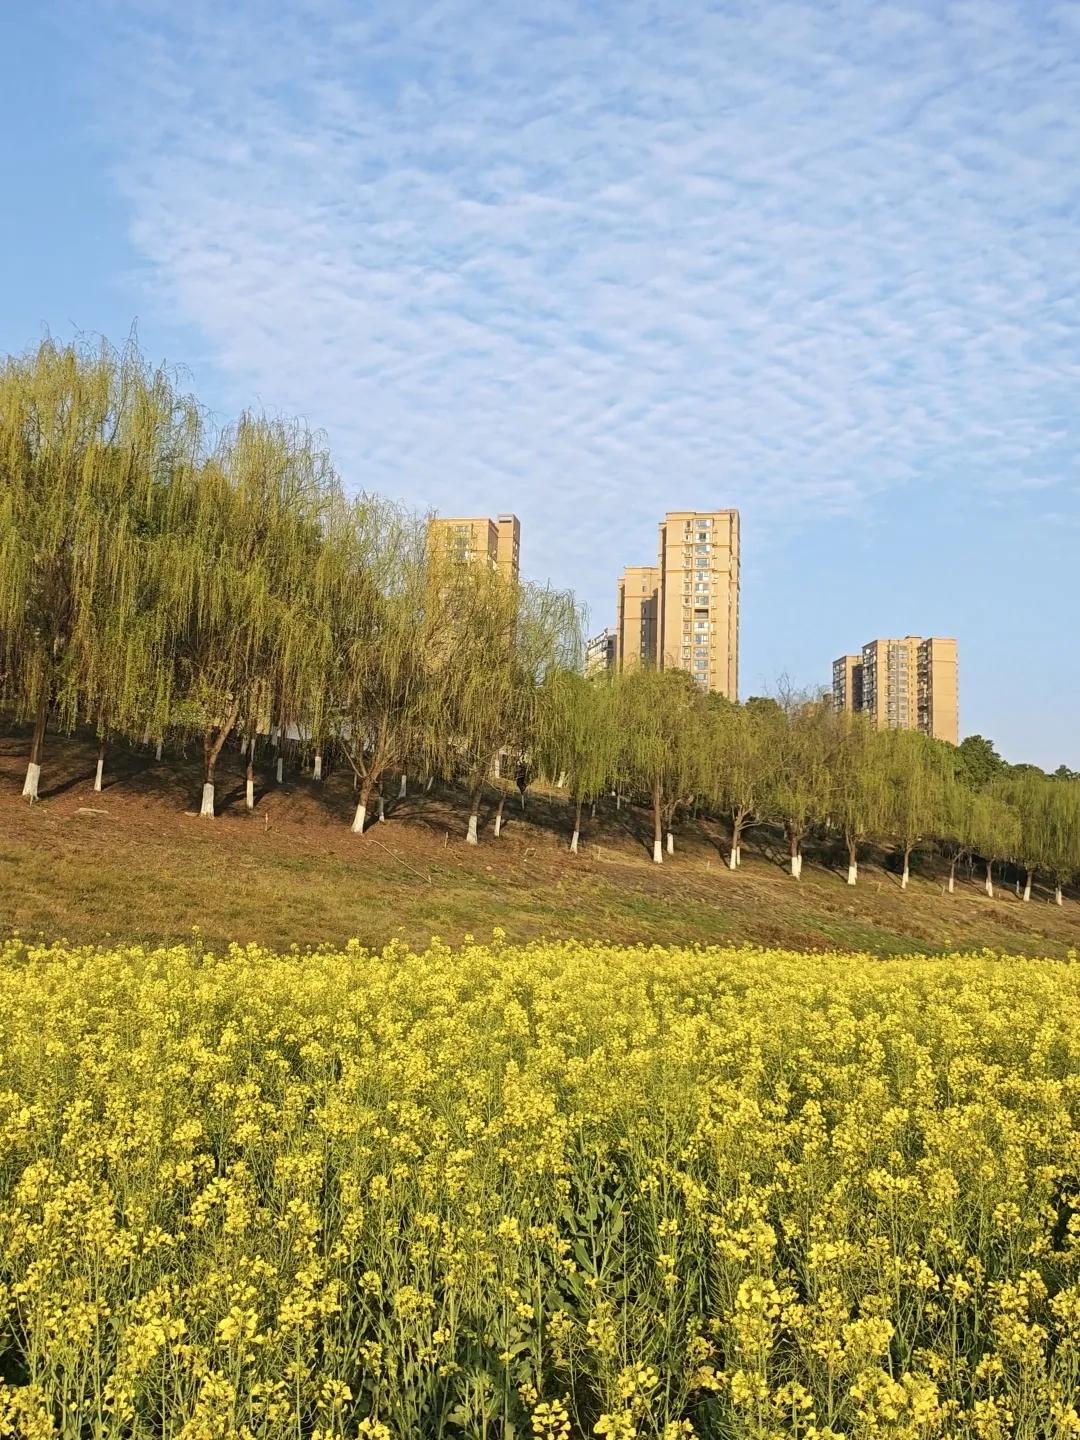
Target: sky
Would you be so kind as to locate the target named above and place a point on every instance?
(591, 260)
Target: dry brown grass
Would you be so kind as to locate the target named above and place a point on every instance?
(135, 862)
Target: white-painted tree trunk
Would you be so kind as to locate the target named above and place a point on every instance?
(906, 876)
(472, 838)
(989, 886)
(207, 810)
(733, 858)
(657, 853)
(249, 794)
(1059, 899)
(157, 751)
(560, 784)
(316, 769)
(853, 874)
(618, 802)
(359, 818)
(382, 807)
(403, 788)
(498, 826)
(98, 774)
(430, 782)
(738, 855)
(30, 784)
(573, 843)
(952, 879)
(1027, 889)
(796, 866)
(280, 767)
(670, 843)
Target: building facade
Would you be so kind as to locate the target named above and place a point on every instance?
(637, 604)
(906, 683)
(600, 652)
(479, 541)
(698, 622)
(847, 683)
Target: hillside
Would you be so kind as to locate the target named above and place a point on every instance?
(134, 862)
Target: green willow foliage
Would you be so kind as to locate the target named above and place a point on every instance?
(160, 581)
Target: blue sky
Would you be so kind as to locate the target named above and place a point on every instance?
(592, 261)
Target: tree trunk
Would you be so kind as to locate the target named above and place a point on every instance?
(990, 878)
(157, 752)
(37, 745)
(403, 787)
(906, 876)
(577, 826)
(280, 767)
(670, 843)
(430, 782)
(852, 863)
(733, 858)
(796, 857)
(658, 823)
(1059, 899)
(100, 767)
(473, 837)
(316, 768)
(211, 751)
(560, 784)
(499, 814)
(952, 876)
(382, 805)
(361, 809)
(1027, 887)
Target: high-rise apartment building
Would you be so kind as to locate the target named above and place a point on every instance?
(698, 622)
(637, 607)
(902, 684)
(600, 652)
(847, 683)
(479, 541)
(683, 613)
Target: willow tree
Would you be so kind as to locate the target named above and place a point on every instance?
(739, 743)
(856, 792)
(956, 824)
(658, 720)
(87, 439)
(383, 684)
(1063, 824)
(498, 643)
(251, 521)
(578, 737)
(915, 774)
(995, 832)
(798, 783)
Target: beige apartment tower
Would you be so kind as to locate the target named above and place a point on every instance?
(698, 621)
(902, 684)
(683, 612)
(637, 606)
(479, 541)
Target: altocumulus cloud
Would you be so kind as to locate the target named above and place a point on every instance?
(587, 260)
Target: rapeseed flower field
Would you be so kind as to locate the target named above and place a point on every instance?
(551, 1191)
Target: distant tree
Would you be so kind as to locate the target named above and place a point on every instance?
(578, 736)
(916, 769)
(659, 724)
(1063, 825)
(995, 832)
(980, 763)
(955, 829)
(1064, 773)
(857, 784)
(797, 791)
(737, 754)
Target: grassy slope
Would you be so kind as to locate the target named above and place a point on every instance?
(134, 863)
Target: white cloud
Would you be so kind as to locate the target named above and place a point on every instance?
(591, 261)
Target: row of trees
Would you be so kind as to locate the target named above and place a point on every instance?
(798, 765)
(167, 582)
